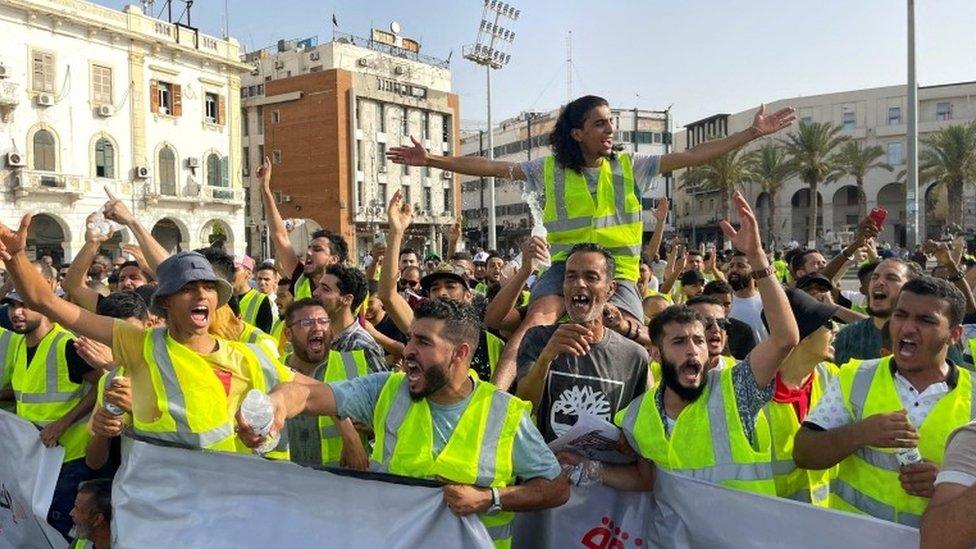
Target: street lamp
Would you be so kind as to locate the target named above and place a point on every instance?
(489, 51)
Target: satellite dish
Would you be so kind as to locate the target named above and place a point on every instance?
(395, 27)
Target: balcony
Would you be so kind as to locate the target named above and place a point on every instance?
(32, 182)
(223, 195)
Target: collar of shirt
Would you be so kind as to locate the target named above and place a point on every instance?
(944, 386)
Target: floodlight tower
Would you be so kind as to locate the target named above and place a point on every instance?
(489, 51)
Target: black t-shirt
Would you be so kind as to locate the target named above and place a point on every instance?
(481, 362)
(77, 367)
(265, 319)
(742, 338)
(389, 328)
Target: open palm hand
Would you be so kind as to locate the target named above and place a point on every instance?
(766, 124)
(746, 239)
(411, 156)
(12, 242)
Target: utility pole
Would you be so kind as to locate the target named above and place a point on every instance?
(911, 187)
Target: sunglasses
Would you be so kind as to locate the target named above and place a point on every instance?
(309, 322)
(405, 283)
(722, 323)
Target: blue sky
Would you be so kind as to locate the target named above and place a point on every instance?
(702, 56)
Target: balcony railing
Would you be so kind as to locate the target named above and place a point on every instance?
(27, 182)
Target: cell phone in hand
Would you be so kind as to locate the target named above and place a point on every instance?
(878, 216)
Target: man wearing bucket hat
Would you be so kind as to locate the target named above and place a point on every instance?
(161, 362)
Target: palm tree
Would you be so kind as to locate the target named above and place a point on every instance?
(810, 148)
(855, 160)
(949, 158)
(770, 167)
(725, 174)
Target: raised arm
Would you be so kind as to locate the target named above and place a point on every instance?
(417, 155)
(762, 124)
(38, 295)
(836, 267)
(399, 215)
(283, 250)
(74, 280)
(784, 335)
(661, 216)
(500, 314)
(117, 211)
(943, 255)
(454, 240)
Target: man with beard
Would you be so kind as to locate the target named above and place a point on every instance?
(716, 330)
(492, 275)
(684, 424)
(741, 337)
(746, 302)
(92, 515)
(580, 366)
(41, 351)
(322, 440)
(448, 281)
(886, 421)
(254, 304)
(862, 339)
(341, 290)
(325, 248)
(434, 420)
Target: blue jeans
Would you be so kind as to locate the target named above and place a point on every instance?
(72, 474)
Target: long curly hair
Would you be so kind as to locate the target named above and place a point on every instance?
(564, 147)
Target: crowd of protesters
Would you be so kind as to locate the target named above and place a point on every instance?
(744, 366)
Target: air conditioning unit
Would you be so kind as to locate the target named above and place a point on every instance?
(279, 64)
(447, 175)
(192, 162)
(45, 99)
(105, 111)
(363, 62)
(3, 71)
(314, 56)
(143, 172)
(15, 160)
(398, 70)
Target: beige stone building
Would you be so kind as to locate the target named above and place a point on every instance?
(874, 116)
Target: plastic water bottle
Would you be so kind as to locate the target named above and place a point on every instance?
(112, 408)
(103, 226)
(258, 411)
(908, 456)
(292, 224)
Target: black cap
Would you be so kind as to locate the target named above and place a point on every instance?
(692, 277)
(809, 313)
(814, 279)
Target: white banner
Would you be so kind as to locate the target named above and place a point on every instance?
(684, 512)
(185, 498)
(28, 474)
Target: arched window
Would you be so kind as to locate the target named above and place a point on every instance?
(213, 170)
(45, 151)
(104, 159)
(167, 171)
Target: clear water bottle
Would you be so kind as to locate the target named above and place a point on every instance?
(291, 224)
(258, 410)
(103, 226)
(908, 456)
(112, 408)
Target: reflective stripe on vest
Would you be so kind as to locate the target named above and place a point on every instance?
(572, 214)
(51, 375)
(176, 403)
(6, 339)
(340, 366)
(250, 304)
(868, 479)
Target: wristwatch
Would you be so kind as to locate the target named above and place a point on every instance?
(496, 503)
(759, 274)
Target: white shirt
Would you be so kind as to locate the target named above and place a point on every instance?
(830, 413)
(748, 310)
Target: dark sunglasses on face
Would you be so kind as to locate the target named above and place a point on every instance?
(404, 283)
(722, 323)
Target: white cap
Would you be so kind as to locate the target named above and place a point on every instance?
(481, 257)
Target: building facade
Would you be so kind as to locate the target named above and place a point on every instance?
(326, 114)
(526, 137)
(94, 98)
(874, 116)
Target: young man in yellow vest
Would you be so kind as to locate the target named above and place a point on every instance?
(886, 421)
(162, 362)
(52, 386)
(255, 306)
(436, 420)
(321, 440)
(325, 247)
(707, 423)
(92, 515)
(446, 282)
(588, 193)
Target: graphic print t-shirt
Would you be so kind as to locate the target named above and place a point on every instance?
(601, 382)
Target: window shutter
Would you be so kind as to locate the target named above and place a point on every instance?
(221, 110)
(224, 171)
(154, 96)
(177, 100)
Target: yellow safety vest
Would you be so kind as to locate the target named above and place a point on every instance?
(250, 304)
(45, 393)
(340, 367)
(655, 367)
(192, 403)
(252, 335)
(303, 288)
(611, 217)
(495, 346)
(867, 481)
(8, 342)
(479, 451)
(806, 485)
(278, 335)
(82, 544)
(782, 270)
(708, 440)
